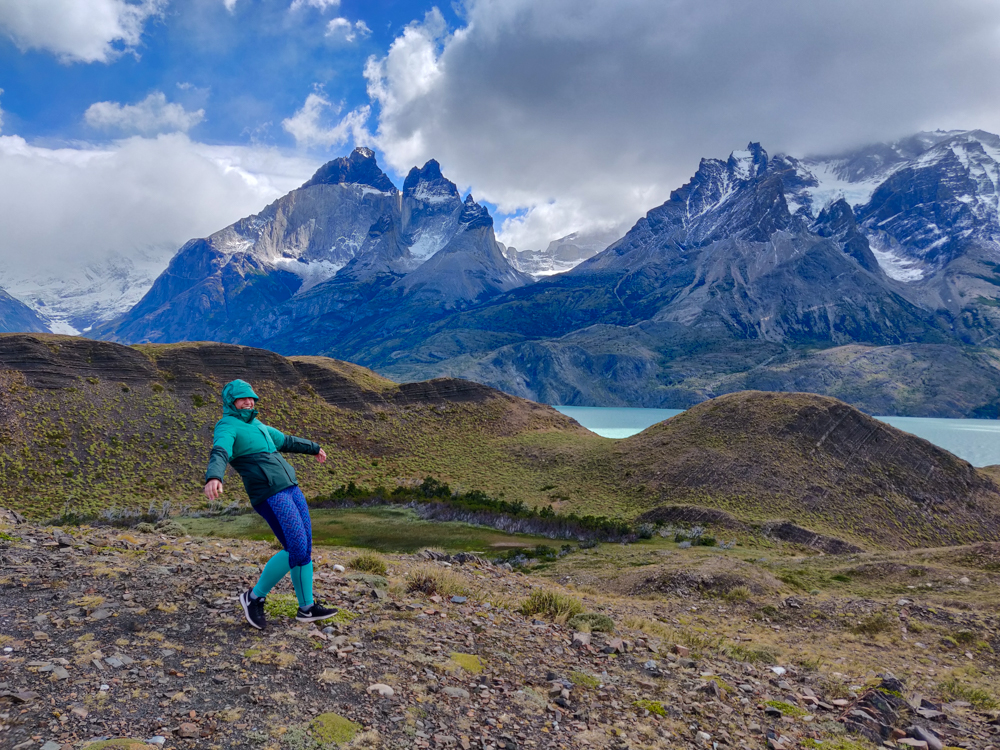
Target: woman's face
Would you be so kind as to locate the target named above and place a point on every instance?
(244, 403)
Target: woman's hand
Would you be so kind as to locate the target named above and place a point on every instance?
(321, 456)
(213, 490)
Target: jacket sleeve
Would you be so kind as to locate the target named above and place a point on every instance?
(292, 444)
(222, 451)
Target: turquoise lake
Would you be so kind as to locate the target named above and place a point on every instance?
(975, 440)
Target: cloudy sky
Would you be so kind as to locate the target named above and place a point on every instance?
(137, 124)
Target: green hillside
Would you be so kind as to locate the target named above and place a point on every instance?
(88, 425)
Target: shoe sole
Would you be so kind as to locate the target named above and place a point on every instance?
(246, 611)
(316, 619)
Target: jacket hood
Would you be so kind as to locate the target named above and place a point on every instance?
(234, 390)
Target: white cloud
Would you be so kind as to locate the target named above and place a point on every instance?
(230, 5)
(77, 30)
(72, 206)
(582, 113)
(1, 115)
(307, 128)
(320, 4)
(152, 115)
(341, 28)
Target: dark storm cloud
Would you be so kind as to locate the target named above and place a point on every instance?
(589, 113)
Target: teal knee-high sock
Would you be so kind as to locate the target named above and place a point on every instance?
(302, 580)
(273, 572)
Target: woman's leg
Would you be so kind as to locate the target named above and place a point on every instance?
(276, 569)
(302, 574)
(282, 514)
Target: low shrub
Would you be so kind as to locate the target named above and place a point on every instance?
(368, 562)
(593, 622)
(645, 530)
(737, 594)
(432, 579)
(551, 604)
(873, 624)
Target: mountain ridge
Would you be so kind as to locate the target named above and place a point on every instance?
(791, 255)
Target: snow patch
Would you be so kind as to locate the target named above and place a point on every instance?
(832, 187)
(896, 267)
(64, 328)
(74, 298)
(428, 243)
(433, 195)
(232, 244)
(311, 272)
(744, 164)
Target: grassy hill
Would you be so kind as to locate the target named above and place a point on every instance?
(86, 425)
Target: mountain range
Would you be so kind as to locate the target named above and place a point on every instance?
(873, 276)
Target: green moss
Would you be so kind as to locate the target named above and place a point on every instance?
(281, 605)
(331, 727)
(979, 698)
(786, 708)
(122, 743)
(654, 707)
(720, 682)
(584, 680)
(835, 743)
(469, 662)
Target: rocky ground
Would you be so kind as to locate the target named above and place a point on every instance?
(113, 638)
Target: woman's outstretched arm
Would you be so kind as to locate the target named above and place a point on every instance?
(218, 459)
(292, 444)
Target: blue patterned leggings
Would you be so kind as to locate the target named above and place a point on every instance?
(288, 516)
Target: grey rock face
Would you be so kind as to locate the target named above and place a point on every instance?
(753, 273)
(333, 250)
(732, 283)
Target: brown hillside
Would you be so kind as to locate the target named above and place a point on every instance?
(812, 460)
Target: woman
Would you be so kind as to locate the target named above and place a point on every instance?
(252, 448)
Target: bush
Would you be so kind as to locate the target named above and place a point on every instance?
(593, 622)
(170, 528)
(431, 579)
(551, 604)
(368, 562)
(872, 625)
(737, 594)
(435, 500)
(645, 530)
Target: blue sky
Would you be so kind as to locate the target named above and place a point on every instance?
(130, 126)
(248, 68)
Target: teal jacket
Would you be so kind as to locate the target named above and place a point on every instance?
(252, 448)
